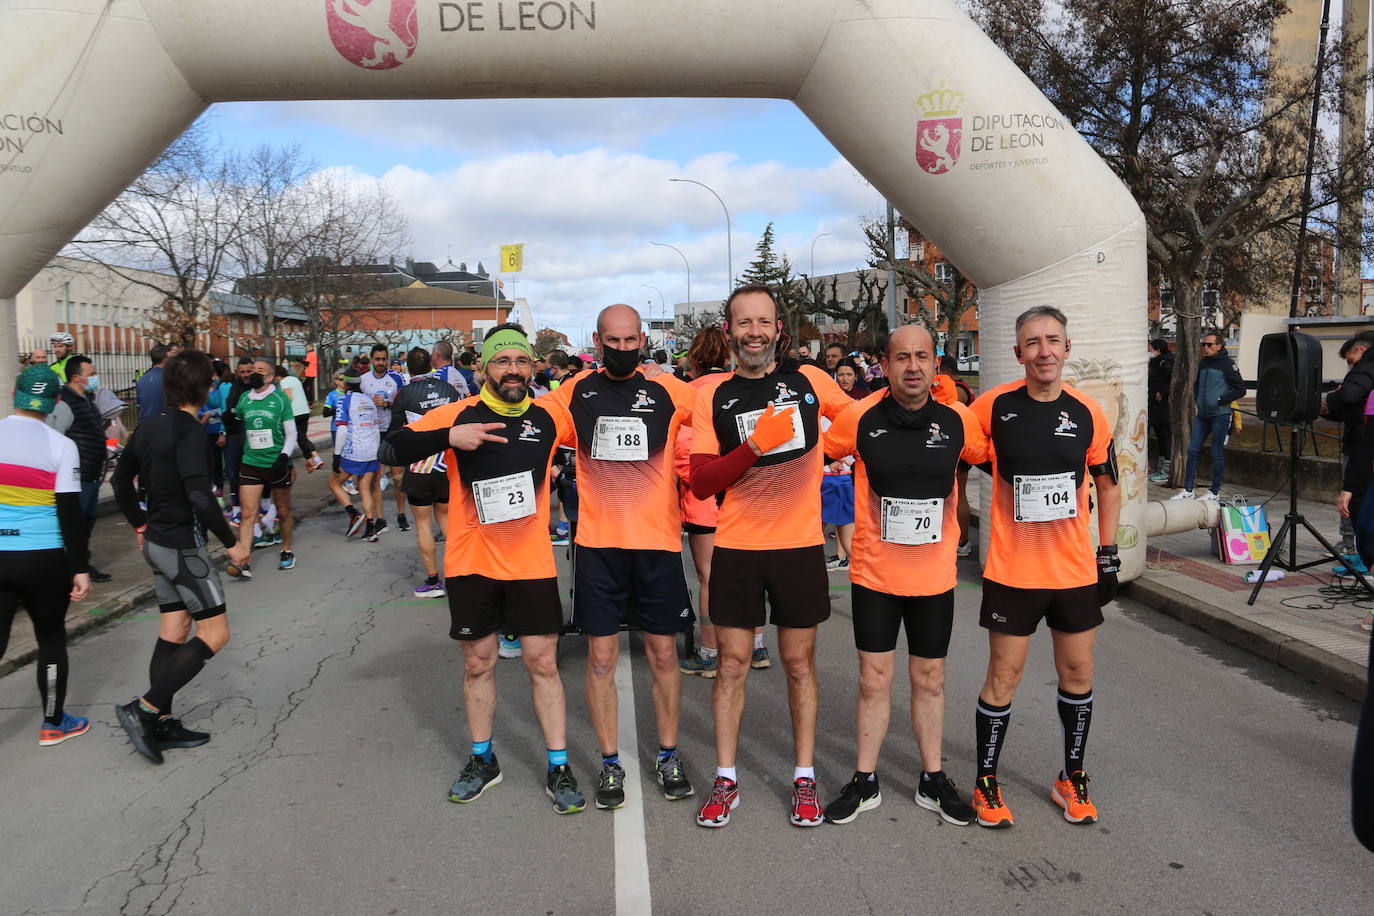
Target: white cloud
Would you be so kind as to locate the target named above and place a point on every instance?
(499, 125)
(588, 219)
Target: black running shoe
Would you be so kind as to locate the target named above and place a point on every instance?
(379, 526)
(141, 727)
(171, 733)
(672, 778)
(939, 794)
(610, 788)
(356, 520)
(370, 532)
(859, 794)
(402, 522)
(563, 791)
(477, 777)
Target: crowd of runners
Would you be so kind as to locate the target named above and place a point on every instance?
(730, 460)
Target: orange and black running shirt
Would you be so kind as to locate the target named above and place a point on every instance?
(1039, 534)
(626, 435)
(498, 510)
(776, 503)
(906, 527)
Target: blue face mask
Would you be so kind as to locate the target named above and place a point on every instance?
(93, 383)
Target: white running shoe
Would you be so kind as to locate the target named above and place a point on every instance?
(1183, 494)
(1210, 497)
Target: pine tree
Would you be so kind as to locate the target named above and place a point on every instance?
(775, 271)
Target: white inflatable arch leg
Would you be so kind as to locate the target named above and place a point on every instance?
(910, 91)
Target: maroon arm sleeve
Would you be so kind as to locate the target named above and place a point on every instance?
(712, 475)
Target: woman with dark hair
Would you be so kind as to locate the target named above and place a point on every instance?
(851, 378)
(709, 355)
(168, 458)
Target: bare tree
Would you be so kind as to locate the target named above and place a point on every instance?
(171, 230)
(866, 311)
(275, 229)
(922, 278)
(1205, 126)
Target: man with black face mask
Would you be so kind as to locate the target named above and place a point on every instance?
(629, 540)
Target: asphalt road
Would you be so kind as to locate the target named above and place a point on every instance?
(337, 719)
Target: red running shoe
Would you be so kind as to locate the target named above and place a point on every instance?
(723, 799)
(806, 807)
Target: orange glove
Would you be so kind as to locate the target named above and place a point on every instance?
(772, 430)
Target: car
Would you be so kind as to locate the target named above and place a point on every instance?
(968, 363)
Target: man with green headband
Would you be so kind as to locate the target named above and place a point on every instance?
(498, 561)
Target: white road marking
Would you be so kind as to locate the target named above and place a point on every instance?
(632, 896)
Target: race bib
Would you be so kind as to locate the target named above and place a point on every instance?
(620, 439)
(912, 521)
(504, 499)
(1045, 497)
(259, 438)
(749, 419)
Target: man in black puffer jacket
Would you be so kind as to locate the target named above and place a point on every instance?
(77, 419)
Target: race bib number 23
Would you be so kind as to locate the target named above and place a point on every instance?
(504, 499)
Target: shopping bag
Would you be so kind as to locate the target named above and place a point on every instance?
(1244, 535)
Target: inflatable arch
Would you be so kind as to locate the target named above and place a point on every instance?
(910, 91)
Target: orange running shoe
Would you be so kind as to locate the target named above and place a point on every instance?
(1072, 795)
(988, 804)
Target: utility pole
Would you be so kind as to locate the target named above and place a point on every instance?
(891, 268)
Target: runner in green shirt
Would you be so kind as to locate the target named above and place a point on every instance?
(269, 438)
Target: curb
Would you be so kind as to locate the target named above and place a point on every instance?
(135, 597)
(1318, 665)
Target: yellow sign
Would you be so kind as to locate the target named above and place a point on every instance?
(512, 258)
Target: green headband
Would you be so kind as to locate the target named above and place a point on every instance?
(504, 339)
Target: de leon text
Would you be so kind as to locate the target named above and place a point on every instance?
(517, 16)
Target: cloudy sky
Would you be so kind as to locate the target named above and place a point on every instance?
(584, 184)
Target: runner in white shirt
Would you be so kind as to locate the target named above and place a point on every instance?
(356, 438)
(382, 386)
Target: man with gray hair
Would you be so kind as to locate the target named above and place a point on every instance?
(1047, 440)
(441, 359)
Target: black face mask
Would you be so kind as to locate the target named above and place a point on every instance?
(255, 380)
(619, 363)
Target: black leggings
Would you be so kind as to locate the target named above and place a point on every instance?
(302, 439)
(39, 580)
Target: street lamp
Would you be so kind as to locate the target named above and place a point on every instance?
(813, 253)
(816, 317)
(729, 244)
(689, 270)
(582, 330)
(662, 307)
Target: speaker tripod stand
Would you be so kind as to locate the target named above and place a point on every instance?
(1288, 533)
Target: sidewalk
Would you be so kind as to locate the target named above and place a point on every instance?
(114, 550)
(1291, 623)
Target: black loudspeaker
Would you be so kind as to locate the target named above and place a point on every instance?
(1289, 388)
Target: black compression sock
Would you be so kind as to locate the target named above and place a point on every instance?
(52, 683)
(991, 725)
(184, 664)
(163, 650)
(1075, 716)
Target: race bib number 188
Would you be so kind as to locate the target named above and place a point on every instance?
(620, 439)
(504, 499)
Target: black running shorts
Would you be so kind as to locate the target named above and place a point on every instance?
(794, 582)
(250, 475)
(878, 616)
(479, 606)
(694, 528)
(1017, 611)
(425, 489)
(184, 580)
(612, 583)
